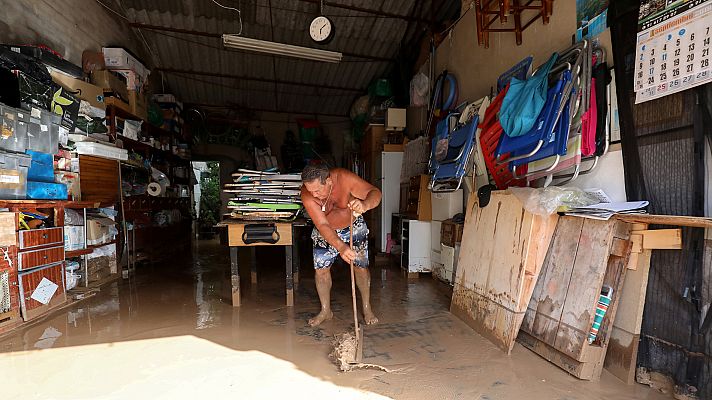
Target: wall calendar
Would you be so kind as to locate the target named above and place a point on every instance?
(673, 47)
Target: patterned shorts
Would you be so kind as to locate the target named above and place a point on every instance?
(325, 254)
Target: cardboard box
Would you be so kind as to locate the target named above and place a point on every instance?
(450, 233)
(164, 98)
(83, 90)
(109, 82)
(118, 58)
(133, 80)
(65, 105)
(98, 230)
(395, 119)
(138, 105)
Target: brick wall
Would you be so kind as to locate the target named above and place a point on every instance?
(67, 26)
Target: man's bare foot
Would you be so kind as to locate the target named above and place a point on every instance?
(324, 315)
(369, 317)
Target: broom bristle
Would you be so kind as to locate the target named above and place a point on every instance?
(344, 353)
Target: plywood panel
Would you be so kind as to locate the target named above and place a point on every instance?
(235, 231)
(547, 307)
(503, 248)
(585, 286)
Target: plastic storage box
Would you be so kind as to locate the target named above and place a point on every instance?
(13, 175)
(43, 134)
(14, 124)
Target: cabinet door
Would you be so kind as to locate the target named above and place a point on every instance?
(37, 291)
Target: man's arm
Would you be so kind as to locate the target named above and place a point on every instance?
(321, 222)
(368, 196)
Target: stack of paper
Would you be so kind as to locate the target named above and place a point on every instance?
(264, 195)
(605, 211)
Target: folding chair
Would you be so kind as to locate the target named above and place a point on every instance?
(451, 169)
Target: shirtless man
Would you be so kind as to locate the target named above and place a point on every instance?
(329, 196)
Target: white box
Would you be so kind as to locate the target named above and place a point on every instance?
(164, 98)
(446, 205)
(73, 237)
(395, 119)
(118, 58)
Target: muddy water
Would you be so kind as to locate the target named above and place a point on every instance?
(170, 332)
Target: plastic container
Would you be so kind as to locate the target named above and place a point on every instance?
(17, 142)
(13, 175)
(43, 134)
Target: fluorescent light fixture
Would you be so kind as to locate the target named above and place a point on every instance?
(263, 46)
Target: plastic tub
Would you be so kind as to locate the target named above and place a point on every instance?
(43, 134)
(13, 175)
(14, 139)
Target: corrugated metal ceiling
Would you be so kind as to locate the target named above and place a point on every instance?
(356, 33)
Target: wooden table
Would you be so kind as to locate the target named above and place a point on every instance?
(285, 231)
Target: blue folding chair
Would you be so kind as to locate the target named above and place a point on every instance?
(527, 145)
(452, 167)
(556, 149)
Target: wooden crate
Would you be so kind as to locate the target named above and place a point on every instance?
(584, 256)
(503, 249)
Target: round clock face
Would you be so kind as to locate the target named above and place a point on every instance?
(321, 29)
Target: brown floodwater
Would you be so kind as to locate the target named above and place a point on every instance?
(170, 332)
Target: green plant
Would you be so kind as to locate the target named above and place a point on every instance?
(210, 196)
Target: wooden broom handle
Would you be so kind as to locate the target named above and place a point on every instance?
(353, 276)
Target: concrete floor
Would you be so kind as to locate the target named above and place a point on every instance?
(170, 333)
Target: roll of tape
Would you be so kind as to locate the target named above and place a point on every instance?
(154, 189)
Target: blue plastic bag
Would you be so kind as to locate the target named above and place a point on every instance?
(41, 168)
(46, 191)
(524, 101)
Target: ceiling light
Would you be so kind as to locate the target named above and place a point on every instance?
(263, 46)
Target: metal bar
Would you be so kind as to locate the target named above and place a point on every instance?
(290, 276)
(256, 79)
(368, 11)
(253, 265)
(225, 106)
(234, 277)
(219, 36)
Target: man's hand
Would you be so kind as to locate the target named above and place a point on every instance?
(357, 206)
(347, 253)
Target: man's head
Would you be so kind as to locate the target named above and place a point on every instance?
(317, 181)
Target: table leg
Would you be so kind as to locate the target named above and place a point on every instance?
(234, 277)
(253, 265)
(297, 260)
(290, 277)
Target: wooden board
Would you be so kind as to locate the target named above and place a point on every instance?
(622, 351)
(235, 231)
(585, 255)
(503, 249)
(672, 220)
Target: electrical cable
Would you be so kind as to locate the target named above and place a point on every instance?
(239, 14)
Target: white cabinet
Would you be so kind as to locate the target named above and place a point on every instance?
(416, 246)
(389, 168)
